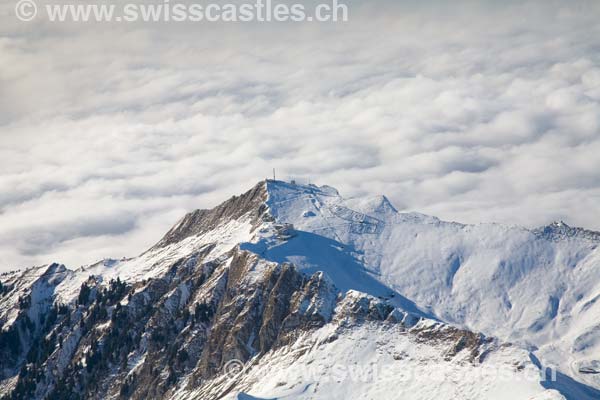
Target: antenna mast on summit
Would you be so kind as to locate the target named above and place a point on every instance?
(274, 174)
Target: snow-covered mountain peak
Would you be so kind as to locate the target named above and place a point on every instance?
(286, 267)
(560, 230)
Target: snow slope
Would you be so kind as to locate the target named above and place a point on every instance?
(391, 367)
(537, 288)
(36, 286)
(158, 260)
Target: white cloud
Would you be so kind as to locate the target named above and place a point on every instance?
(469, 111)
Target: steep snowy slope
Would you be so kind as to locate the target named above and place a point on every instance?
(27, 304)
(33, 287)
(539, 288)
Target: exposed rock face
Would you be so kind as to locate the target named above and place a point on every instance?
(255, 315)
(138, 340)
(202, 221)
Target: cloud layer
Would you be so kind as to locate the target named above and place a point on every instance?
(471, 111)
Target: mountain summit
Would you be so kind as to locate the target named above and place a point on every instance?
(292, 291)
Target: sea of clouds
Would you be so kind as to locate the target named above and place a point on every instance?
(471, 111)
